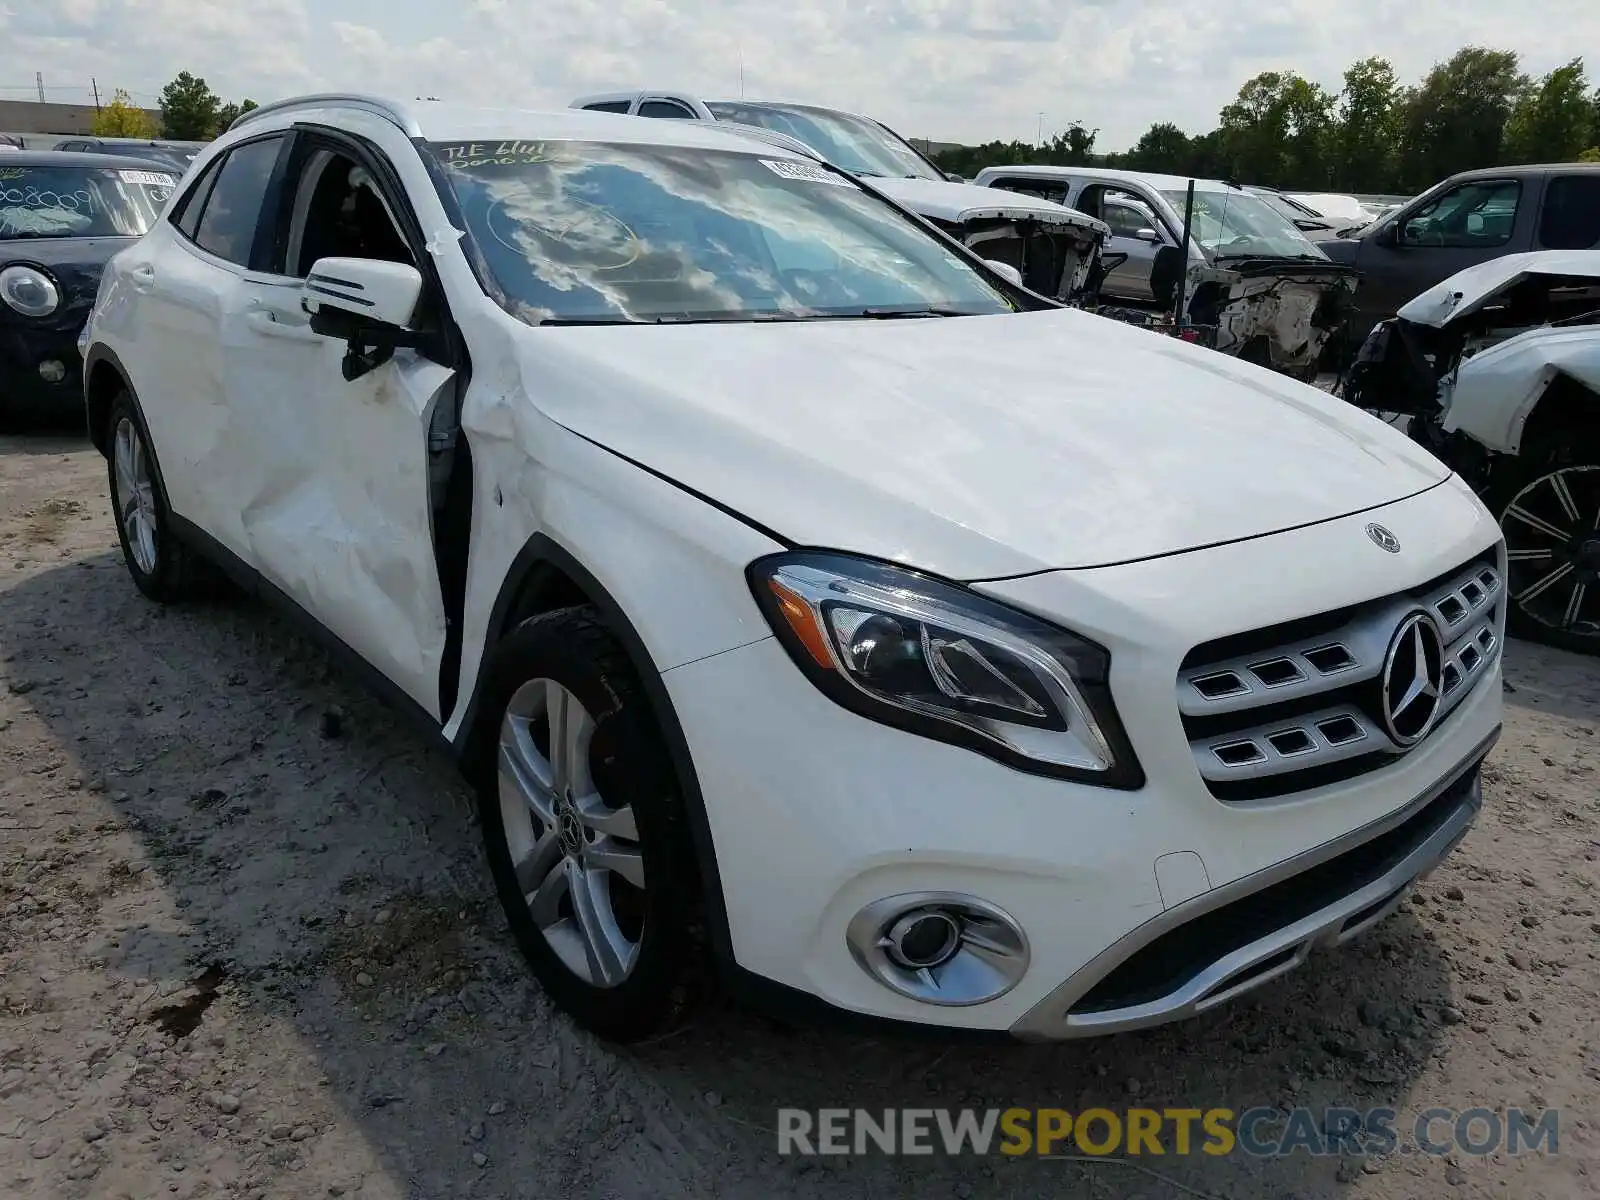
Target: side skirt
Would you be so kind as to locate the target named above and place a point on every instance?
(250, 582)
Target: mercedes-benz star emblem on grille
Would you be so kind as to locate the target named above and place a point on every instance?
(1384, 538)
(1413, 677)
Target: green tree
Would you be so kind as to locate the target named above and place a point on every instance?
(230, 112)
(1163, 148)
(123, 118)
(1276, 132)
(1456, 119)
(189, 109)
(1073, 148)
(1361, 152)
(1552, 121)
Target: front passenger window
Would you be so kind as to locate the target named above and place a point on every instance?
(1467, 217)
(339, 212)
(232, 212)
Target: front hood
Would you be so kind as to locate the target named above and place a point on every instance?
(974, 447)
(1468, 291)
(1345, 249)
(74, 263)
(957, 202)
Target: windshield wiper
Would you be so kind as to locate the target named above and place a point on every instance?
(758, 318)
(886, 314)
(590, 321)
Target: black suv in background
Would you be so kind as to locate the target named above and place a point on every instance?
(175, 154)
(1468, 219)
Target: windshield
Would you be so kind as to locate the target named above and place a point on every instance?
(599, 232)
(850, 143)
(71, 201)
(1239, 225)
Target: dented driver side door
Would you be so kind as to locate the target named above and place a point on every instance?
(340, 519)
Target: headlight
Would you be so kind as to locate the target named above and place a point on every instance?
(29, 290)
(942, 661)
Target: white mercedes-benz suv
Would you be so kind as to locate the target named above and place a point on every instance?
(800, 594)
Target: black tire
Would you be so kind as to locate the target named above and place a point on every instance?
(630, 766)
(1534, 489)
(177, 573)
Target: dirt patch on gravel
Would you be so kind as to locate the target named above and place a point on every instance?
(248, 949)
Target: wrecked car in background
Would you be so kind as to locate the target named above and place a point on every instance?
(1471, 217)
(1053, 249)
(62, 217)
(1271, 296)
(1497, 371)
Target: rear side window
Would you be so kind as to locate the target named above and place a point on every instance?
(665, 108)
(1041, 188)
(616, 106)
(193, 202)
(232, 212)
(1571, 217)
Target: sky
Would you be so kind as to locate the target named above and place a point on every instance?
(951, 70)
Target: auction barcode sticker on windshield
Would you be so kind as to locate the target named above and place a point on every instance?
(145, 178)
(805, 172)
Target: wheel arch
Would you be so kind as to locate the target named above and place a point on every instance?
(544, 577)
(103, 377)
(1566, 405)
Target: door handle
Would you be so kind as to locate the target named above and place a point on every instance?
(265, 321)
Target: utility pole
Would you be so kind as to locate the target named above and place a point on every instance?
(1039, 139)
(741, 71)
(38, 78)
(95, 84)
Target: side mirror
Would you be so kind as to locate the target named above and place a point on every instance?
(953, 177)
(1006, 271)
(1389, 235)
(1147, 235)
(366, 302)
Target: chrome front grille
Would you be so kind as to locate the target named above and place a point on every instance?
(1300, 705)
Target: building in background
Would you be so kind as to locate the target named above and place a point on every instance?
(41, 124)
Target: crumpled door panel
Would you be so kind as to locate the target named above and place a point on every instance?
(338, 515)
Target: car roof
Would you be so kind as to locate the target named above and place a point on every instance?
(83, 158)
(1565, 168)
(124, 141)
(440, 121)
(1162, 183)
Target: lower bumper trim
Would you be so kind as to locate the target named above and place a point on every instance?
(1228, 942)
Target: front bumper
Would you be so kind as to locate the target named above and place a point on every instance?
(1234, 939)
(816, 814)
(23, 391)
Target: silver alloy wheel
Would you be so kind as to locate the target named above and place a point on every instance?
(1552, 532)
(136, 495)
(568, 846)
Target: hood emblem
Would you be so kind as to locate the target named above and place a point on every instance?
(1382, 538)
(1413, 679)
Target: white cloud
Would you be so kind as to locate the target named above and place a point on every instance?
(951, 69)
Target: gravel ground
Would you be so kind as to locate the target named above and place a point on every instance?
(247, 949)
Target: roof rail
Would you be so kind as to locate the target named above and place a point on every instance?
(377, 105)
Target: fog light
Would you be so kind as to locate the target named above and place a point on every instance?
(939, 947)
(926, 938)
(52, 370)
